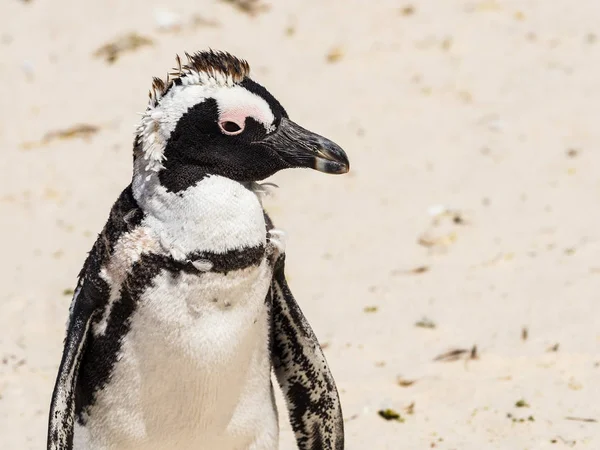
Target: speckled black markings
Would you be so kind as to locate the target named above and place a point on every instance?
(302, 373)
(91, 295)
(62, 421)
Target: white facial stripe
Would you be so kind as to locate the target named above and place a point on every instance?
(160, 121)
(237, 103)
(178, 101)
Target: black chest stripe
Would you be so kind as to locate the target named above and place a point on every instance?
(102, 351)
(232, 260)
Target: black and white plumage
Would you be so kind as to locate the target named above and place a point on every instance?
(182, 310)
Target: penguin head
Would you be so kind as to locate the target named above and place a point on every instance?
(209, 118)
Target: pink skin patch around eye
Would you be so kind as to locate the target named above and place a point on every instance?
(238, 115)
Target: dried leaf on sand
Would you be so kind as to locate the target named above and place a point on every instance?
(250, 7)
(111, 51)
(82, 130)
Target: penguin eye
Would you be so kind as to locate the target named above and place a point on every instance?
(230, 128)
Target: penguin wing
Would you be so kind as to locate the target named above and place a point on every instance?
(302, 372)
(62, 408)
(92, 292)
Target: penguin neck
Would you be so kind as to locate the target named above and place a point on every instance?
(216, 214)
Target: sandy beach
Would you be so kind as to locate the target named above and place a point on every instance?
(453, 276)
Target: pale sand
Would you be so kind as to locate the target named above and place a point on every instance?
(473, 106)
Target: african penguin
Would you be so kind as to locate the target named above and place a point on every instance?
(182, 311)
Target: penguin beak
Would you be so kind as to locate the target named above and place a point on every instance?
(302, 148)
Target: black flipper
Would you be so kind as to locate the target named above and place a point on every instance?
(90, 297)
(62, 408)
(302, 372)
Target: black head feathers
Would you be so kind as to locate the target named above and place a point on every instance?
(202, 67)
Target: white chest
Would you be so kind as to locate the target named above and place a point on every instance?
(194, 369)
(216, 215)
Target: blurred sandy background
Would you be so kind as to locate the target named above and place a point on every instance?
(468, 229)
